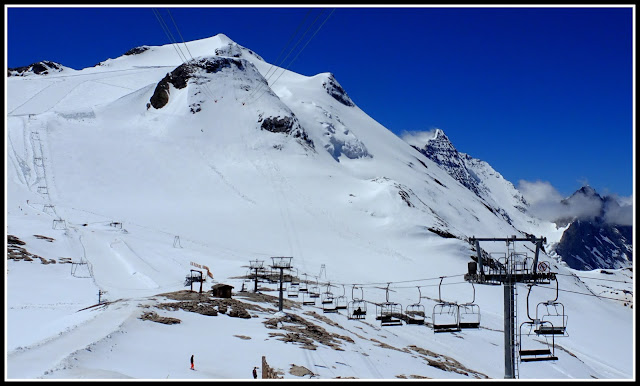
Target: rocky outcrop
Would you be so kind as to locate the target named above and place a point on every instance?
(334, 89)
(136, 50)
(179, 77)
(288, 125)
(235, 50)
(40, 68)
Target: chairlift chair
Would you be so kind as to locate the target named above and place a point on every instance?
(327, 297)
(341, 301)
(314, 290)
(357, 308)
(544, 351)
(552, 312)
(295, 280)
(304, 286)
(469, 313)
(292, 291)
(328, 301)
(415, 312)
(446, 315)
(390, 312)
(308, 300)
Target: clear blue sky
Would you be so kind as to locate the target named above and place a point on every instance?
(539, 93)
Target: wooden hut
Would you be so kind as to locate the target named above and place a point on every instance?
(221, 290)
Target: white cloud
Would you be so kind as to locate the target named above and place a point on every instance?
(546, 203)
(418, 138)
(621, 214)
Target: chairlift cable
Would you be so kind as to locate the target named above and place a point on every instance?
(597, 296)
(177, 29)
(205, 84)
(299, 52)
(279, 64)
(176, 46)
(594, 278)
(280, 54)
(166, 32)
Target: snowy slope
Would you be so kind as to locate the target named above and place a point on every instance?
(232, 168)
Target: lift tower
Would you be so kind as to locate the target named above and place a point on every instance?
(509, 270)
(281, 263)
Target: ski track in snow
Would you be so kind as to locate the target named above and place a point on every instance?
(32, 363)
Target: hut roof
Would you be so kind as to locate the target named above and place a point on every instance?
(220, 285)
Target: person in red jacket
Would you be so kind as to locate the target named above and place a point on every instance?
(192, 362)
(255, 373)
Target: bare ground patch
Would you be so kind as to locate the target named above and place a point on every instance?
(307, 334)
(446, 363)
(205, 304)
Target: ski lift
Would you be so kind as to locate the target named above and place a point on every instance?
(415, 312)
(552, 311)
(357, 308)
(390, 312)
(341, 301)
(547, 352)
(469, 313)
(328, 301)
(446, 315)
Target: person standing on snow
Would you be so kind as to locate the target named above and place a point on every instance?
(255, 373)
(192, 362)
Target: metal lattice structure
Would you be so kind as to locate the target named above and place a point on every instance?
(508, 270)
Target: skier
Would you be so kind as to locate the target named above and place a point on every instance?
(255, 373)
(192, 362)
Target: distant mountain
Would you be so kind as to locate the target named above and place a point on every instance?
(40, 68)
(590, 241)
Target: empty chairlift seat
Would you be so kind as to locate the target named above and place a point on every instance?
(415, 313)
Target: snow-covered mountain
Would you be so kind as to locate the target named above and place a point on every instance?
(590, 240)
(145, 166)
(499, 195)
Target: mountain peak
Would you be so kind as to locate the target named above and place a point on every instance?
(586, 191)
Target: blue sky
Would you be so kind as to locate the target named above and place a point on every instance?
(541, 94)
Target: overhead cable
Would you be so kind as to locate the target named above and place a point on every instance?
(291, 62)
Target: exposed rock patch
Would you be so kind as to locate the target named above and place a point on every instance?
(154, 317)
(334, 89)
(16, 252)
(288, 125)
(40, 68)
(181, 75)
(301, 331)
(136, 50)
(445, 363)
(205, 304)
(300, 371)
